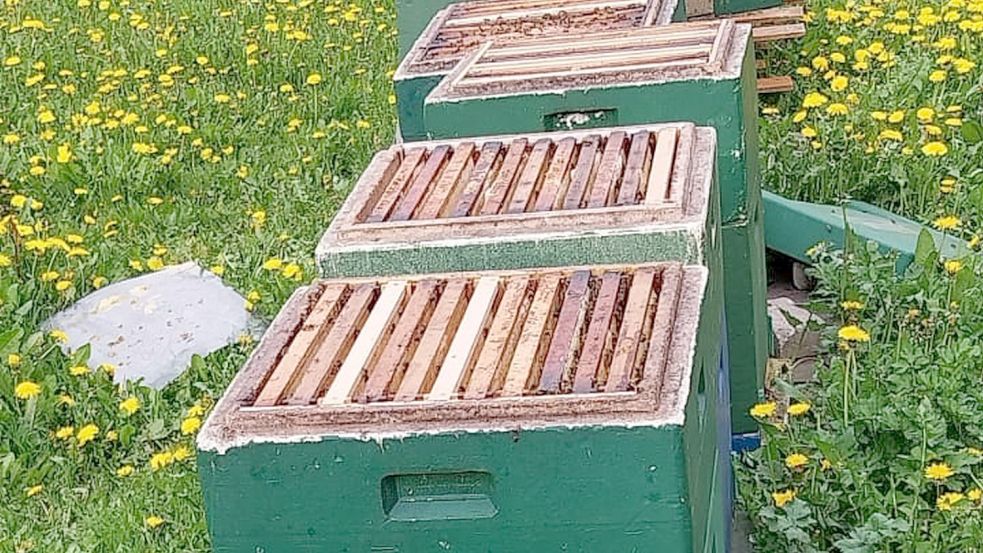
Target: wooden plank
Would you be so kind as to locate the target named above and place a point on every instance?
(582, 172)
(368, 344)
(655, 36)
(698, 53)
(526, 360)
(559, 76)
(442, 194)
(393, 360)
(774, 85)
(770, 15)
(599, 333)
(467, 340)
(500, 342)
(301, 347)
(483, 170)
(496, 194)
(635, 167)
(660, 174)
(421, 184)
(333, 349)
(436, 339)
(532, 175)
(630, 336)
(778, 32)
(567, 333)
(554, 184)
(608, 171)
(492, 17)
(384, 166)
(394, 190)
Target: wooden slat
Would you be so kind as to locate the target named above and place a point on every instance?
(645, 36)
(529, 12)
(698, 53)
(471, 83)
(393, 360)
(483, 170)
(433, 345)
(660, 174)
(386, 164)
(778, 32)
(630, 336)
(495, 195)
(567, 334)
(609, 170)
(443, 193)
(554, 184)
(531, 176)
(580, 177)
(500, 342)
(465, 346)
(774, 85)
(421, 184)
(333, 349)
(394, 190)
(300, 350)
(635, 167)
(781, 13)
(526, 360)
(599, 333)
(368, 344)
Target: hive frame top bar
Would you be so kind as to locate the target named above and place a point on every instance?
(690, 179)
(495, 20)
(709, 50)
(659, 399)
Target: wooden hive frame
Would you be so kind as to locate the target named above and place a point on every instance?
(552, 198)
(459, 29)
(567, 346)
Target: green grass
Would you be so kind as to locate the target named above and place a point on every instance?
(295, 173)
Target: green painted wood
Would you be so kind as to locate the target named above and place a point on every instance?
(793, 227)
(725, 7)
(587, 489)
(410, 94)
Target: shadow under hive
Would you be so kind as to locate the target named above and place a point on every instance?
(702, 72)
(422, 412)
(459, 29)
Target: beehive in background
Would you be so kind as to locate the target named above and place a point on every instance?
(702, 72)
(511, 411)
(459, 29)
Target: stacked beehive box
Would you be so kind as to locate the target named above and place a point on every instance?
(701, 72)
(459, 29)
(566, 409)
(521, 345)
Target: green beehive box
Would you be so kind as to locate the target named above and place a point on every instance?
(702, 72)
(557, 409)
(632, 194)
(414, 16)
(459, 29)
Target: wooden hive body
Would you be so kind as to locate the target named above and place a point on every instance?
(702, 72)
(605, 196)
(415, 17)
(501, 411)
(459, 29)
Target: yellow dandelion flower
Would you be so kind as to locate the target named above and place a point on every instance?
(314, 79)
(161, 460)
(851, 305)
(86, 434)
(153, 521)
(796, 461)
(27, 390)
(783, 498)
(975, 494)
(853, 333)
(953, 266)
(33, 490)
(273, 264)
(763, 410)
(129, 405)
(14, 360)
(124, 471)
(937, 76)
(181, 453)
(190, 425)
(948, 500)
(839, 84)
(65, 432)
(938, 471)
(78, 370)
(935, 149)
(798, 409)
(813, 100)
(947, 222)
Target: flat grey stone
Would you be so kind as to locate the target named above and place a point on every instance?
(149, 326)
